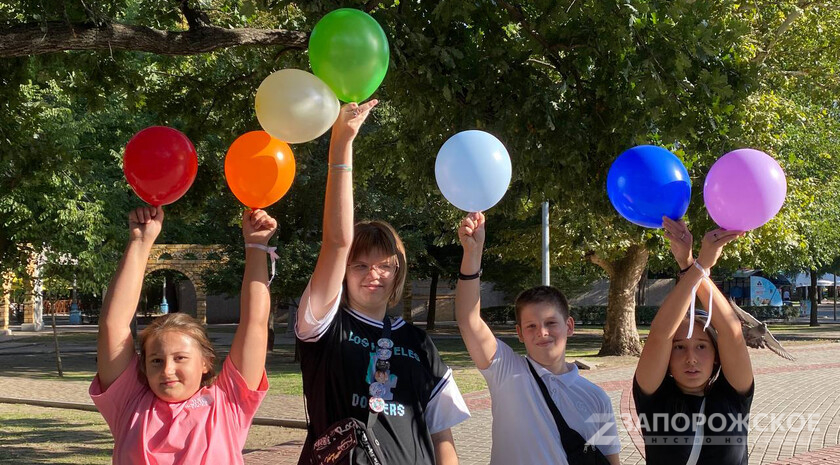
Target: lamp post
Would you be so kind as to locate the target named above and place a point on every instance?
(546, 258)
(75, 314)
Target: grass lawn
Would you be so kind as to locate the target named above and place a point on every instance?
(284, 373)
(47, 337)
(46, 435)
(805, 328)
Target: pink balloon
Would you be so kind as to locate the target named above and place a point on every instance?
(744, 189)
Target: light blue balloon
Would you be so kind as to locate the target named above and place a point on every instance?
(473, 170)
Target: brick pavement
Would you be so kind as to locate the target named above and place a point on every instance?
(790, 390)
(779, 388)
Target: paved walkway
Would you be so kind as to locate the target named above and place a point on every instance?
(788, 395)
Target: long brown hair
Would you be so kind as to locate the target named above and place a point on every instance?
(379, 236)
(184, 324)
(700, 319)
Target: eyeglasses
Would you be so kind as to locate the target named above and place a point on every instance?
(383, 270)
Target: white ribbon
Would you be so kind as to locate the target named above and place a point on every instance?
(699, 434)
(694, 298)
(271, 253)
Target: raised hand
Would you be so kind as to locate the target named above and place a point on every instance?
(471, 232)
(145, 224)
(350, 119)
(713, 243)
(257, 226)
(680, 239)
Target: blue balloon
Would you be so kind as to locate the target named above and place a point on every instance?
(646, 183)
(473, 170)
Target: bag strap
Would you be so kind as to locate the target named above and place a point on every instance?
(305, 406)
(386, 333)
(571, 439)
(699, 434)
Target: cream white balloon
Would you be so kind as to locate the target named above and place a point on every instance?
(295, 106)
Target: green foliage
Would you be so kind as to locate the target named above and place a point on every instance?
(565, 87)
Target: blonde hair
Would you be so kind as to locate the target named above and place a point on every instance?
(379, 236)
(184, 324)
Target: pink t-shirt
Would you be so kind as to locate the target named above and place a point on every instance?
(208, 428)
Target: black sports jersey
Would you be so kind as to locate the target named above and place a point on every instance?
(338, 369)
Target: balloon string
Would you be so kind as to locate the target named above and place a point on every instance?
(709, 320)
(272, 252)
(694, 298)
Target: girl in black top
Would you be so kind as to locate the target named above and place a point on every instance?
(352, 364)
(694, 389)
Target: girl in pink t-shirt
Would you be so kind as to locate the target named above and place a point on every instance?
(166, 405)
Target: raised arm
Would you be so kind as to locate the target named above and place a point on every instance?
(247, 353)
(115, 347)
(338, 213)
(732, 348)
(444, 443)
(653, 364)
(480, 341)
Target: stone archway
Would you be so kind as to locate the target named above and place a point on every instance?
(191, 260)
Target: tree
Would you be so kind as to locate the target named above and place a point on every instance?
(98, 27)
(567, 90)
(566, 87)
(794, 114)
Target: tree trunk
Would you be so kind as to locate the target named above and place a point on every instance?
(814, 302)
(620, 334)
(55, 340)
(430, 315)
(641, 289)
(407, 298)
(270, 340)
(290, 328)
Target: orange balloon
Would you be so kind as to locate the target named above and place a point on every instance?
(259, 169)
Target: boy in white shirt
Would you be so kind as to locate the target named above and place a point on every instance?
(524, 429)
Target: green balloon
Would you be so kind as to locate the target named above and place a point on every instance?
(348, 50)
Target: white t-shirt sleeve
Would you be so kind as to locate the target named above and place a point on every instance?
(309, 329)
(501, 366)
(607, 437)
(446, 407)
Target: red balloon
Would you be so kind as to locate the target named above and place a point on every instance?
(160, 163)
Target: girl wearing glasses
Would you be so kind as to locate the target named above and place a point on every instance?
(357, 361)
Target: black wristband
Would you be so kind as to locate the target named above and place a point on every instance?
(468, 277)
(684, 270)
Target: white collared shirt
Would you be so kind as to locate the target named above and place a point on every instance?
(524, 431)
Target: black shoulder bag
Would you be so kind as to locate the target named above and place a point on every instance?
(577, 451)
(349, 441)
